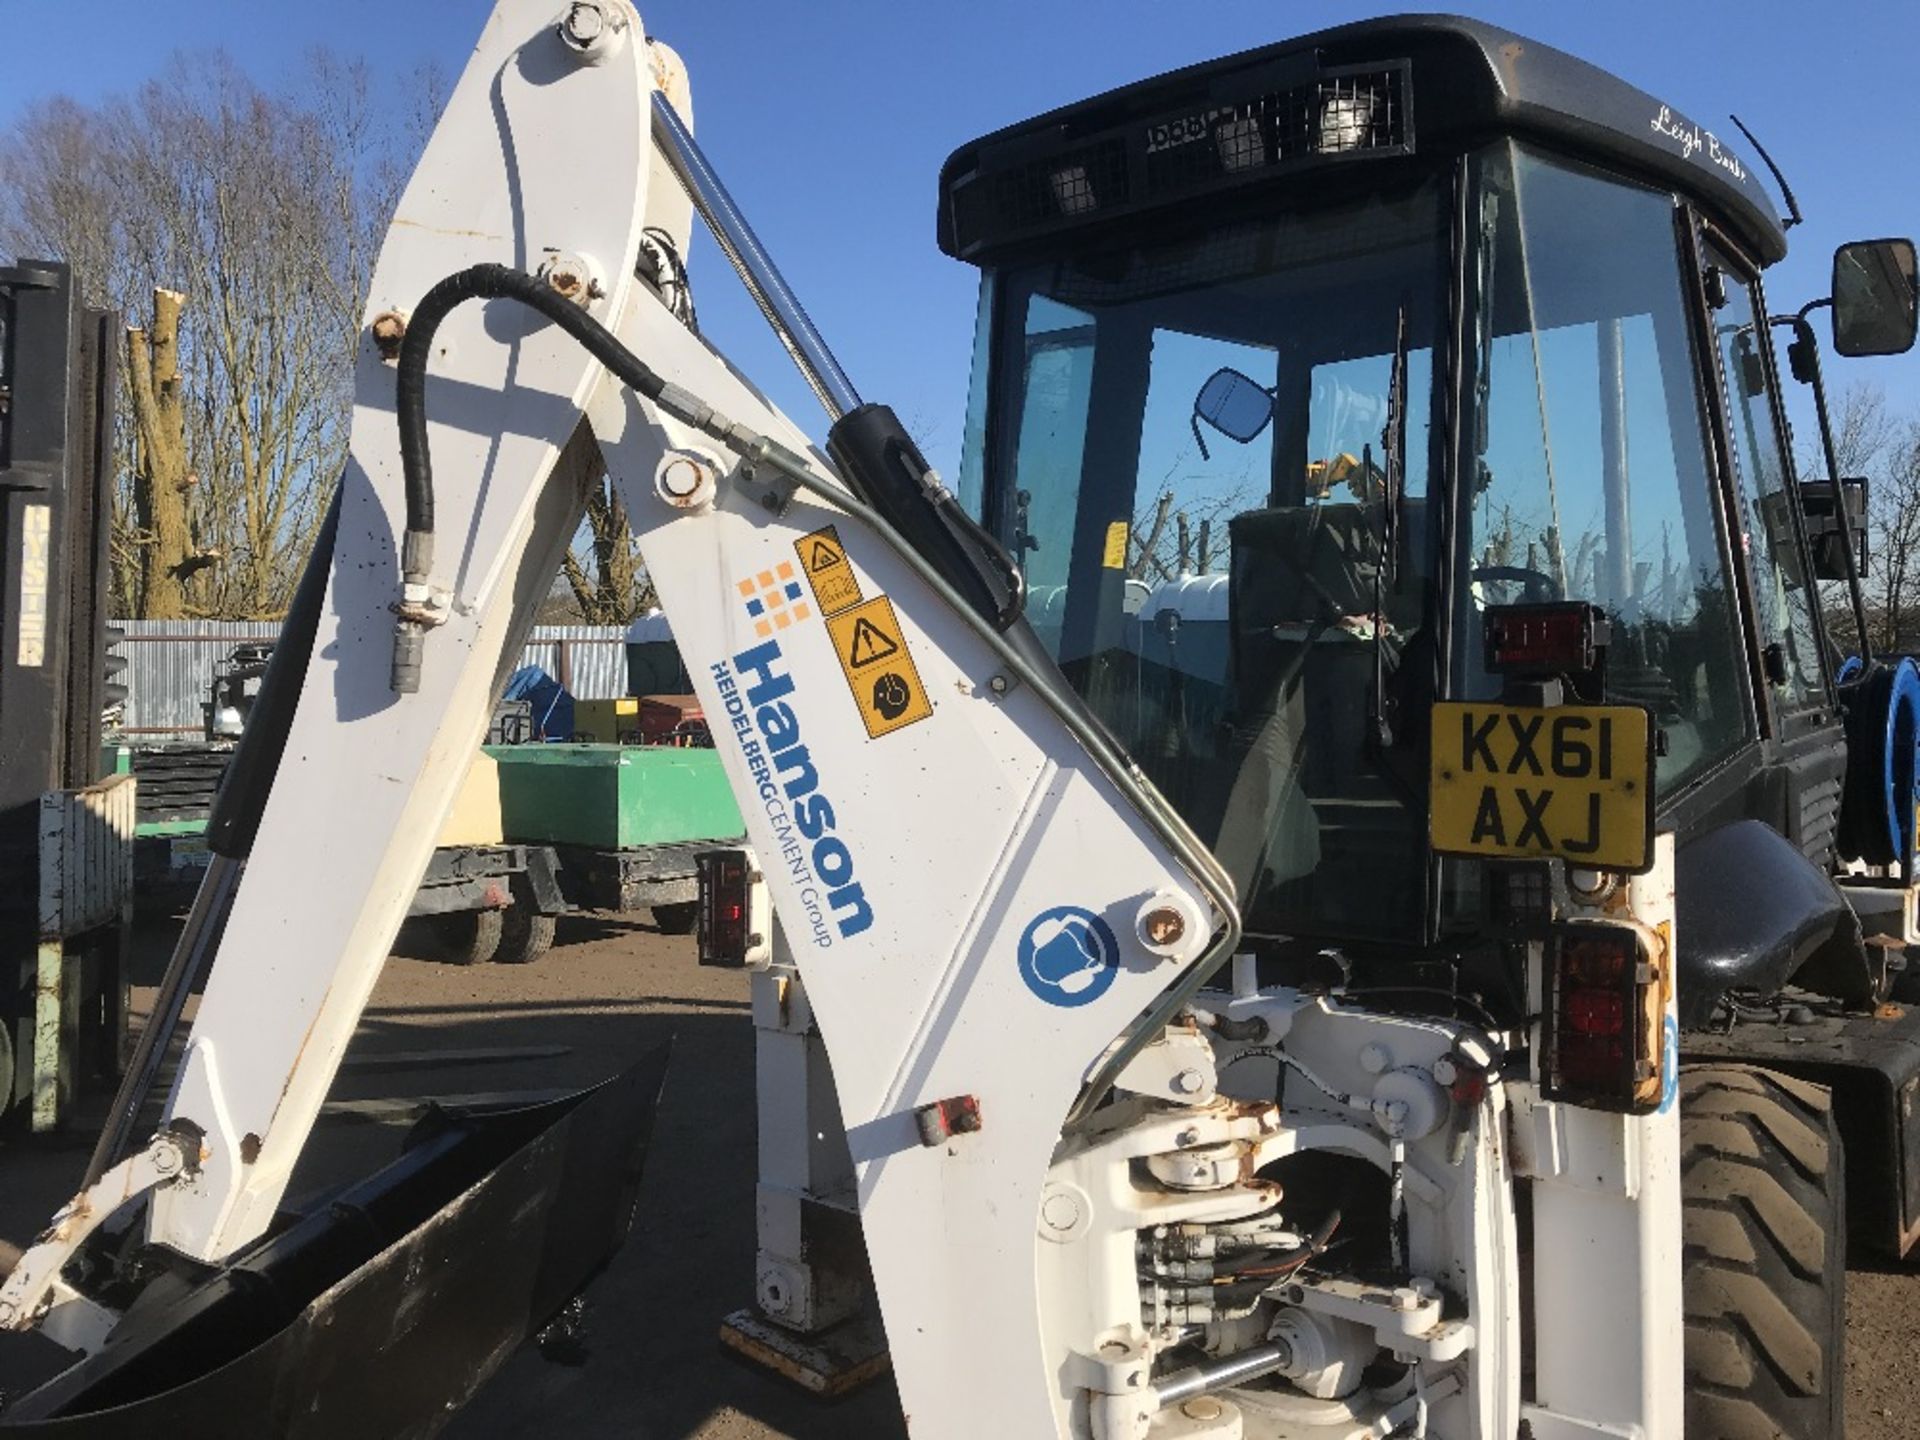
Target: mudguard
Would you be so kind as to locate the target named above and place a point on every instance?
(382, 1310)
(1753, 914)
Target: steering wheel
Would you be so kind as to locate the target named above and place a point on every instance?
(1540, 587)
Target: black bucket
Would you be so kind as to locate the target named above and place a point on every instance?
(379, 1313)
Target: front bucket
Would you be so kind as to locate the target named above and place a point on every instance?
(382, 1311)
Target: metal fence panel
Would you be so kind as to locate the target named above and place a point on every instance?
(170, 665)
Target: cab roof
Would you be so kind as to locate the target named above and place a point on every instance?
(1429, 85)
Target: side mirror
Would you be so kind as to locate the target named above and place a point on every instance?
(1831, 528)
(1236, 405)
(1874, 305)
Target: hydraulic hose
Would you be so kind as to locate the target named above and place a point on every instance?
(416, 611)
(485, 282)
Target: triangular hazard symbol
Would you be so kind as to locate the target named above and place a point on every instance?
(870, 643)
(823, 557)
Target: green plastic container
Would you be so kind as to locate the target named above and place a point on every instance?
(614, 797)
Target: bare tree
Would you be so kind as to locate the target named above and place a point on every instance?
(1893, 575)
(608, 584)
(1871, 441)
(164, 556)
(264, 213)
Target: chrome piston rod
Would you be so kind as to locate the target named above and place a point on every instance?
(750, 260)
(1234, 1370)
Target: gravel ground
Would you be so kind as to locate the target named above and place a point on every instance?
(611, 989)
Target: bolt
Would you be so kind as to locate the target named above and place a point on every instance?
(682, 476)
(1445, 1072)
(571, 277)
(593, 30)
(1203, 1408)
(1189, 1136)
(1406, 1298)
(166, 1158)
(389, 329)
(1059, 1212)
(998, 684)
(584, 23)
(570, 284)
(1189, 1082)
(1163, 925)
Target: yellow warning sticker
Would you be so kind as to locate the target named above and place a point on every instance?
(1114, 556)
(823, 559)
(873, 653)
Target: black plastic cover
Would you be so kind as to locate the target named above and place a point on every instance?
(1754, 913)
(886, 469)
(1438, 85)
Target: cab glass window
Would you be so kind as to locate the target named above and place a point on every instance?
(1586, 472)
(1782, 599)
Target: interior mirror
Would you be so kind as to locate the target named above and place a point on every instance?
(1236, 405)
(1874, 304)
(1827, 534)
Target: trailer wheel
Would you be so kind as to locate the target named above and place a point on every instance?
(468, 937)
(1764, 1229)
(526, 935)
(676, 919)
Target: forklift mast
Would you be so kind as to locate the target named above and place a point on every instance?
(56, 437)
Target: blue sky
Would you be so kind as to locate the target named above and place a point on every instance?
(830, 120)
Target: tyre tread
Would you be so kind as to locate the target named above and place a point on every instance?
(1763, 1226)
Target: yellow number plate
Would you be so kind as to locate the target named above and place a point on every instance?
(1574, 782)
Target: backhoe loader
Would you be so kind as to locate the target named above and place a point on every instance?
(1408, 977)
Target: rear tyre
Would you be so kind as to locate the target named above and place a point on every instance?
(526, 936)
(1764, 1226)
(677, 919)
(467, 937)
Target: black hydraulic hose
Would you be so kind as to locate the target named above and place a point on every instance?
(499, 282)
(487, 282)
(863, 440)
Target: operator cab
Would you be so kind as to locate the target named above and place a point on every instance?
(1292, 366)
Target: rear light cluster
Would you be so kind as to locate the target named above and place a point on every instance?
(1543, 641)
(734, 922)
(1605, 1006)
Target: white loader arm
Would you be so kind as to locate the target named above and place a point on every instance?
(982, 898)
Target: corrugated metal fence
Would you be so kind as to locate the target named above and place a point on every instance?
(170, 664)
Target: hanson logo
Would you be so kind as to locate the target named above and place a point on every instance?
(774, 599)
(755, 691)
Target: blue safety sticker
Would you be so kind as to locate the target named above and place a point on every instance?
(1068, 956)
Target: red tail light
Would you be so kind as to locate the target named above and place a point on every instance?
(1605, 1006)
(1540, 641)
(726, 910)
